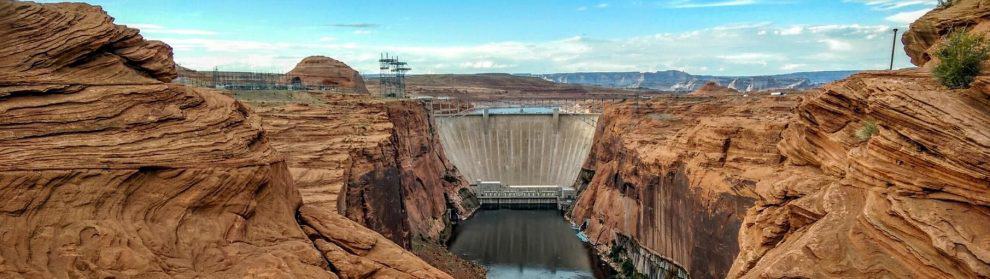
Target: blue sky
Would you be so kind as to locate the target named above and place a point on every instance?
(719, 37)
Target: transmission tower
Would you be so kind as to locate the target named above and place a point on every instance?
(391, 76)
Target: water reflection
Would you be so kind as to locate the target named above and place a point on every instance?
(523, 244)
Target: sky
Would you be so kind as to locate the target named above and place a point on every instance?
(715, 37)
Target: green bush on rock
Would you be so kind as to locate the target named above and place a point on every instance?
(960, 59)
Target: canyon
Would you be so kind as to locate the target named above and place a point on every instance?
(786, 187)
(112, 168)
(109, 170)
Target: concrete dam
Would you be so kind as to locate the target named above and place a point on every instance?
(517, 148)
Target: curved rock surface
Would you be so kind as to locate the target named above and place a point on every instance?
(908, 202)
(922, 39)
(110, 172)
(675, 176)
(377, 162)
(326, 71)
(829, 197)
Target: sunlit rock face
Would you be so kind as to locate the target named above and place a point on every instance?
(824, 201)
(925, 35)
(109, 171)
(317, 71)
(908, 201)
(377, 162)
(669, 180)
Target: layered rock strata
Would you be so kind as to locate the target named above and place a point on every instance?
(377, 162)
(883, 174)
(317, 71)
(906, 202)
(669, 180)
(896, 181)
(109, 171)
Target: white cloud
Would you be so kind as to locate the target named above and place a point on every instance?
(792, 67)
(483, 64)
(602, 5)
(147, 28)
(837, 44)
(894, 4)
(362, 32)
(907, 17)
(738, 49)
(794, 30)
(582, 8)
(688, 4)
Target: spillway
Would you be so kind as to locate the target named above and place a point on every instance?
(518, 149)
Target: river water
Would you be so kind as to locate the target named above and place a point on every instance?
(524, 244)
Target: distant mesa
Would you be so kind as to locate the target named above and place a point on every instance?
(678, 81)
(712, 88)
(327, 72)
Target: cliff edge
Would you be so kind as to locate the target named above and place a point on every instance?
(908, 199)
(883, 174)
(109, 171)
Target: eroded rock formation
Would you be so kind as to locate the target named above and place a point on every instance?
(675, 176)
(883, 174)
(109, 171)
(328, 72)
(908, 200)
(924, 37)
(377, 162)
(714, 89)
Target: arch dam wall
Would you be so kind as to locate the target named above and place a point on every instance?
(518, 149)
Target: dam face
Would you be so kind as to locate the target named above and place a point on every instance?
(518, 149)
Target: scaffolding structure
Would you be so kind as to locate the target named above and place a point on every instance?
(392, 76)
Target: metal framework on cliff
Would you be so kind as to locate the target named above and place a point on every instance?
(392, 76)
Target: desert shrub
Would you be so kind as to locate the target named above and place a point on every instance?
(945, 3)
(867, 131)
(960, 59)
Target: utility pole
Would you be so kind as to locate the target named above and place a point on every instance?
(893, 46)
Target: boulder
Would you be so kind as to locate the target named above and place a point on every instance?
(322, 71)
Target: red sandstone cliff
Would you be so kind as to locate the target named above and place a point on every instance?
(326, 71)
(910, 201)
(675, 176)
(109, 171)
(376, 162)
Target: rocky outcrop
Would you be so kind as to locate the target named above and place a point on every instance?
(883, 174)
(922, 39)
(109, 171)
(72, 43)
(894, 179)
(322, 71)
(906, 202)
(712, 89)
(376, 162)
(668, 181)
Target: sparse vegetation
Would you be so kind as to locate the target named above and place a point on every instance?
(867, 131)
(960, 59)
(945, 3)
